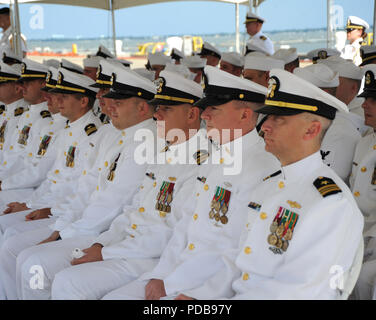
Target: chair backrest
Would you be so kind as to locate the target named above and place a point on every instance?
(351, 276)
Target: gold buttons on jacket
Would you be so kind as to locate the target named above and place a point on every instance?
(97, 188)
(263, 215)
(106, 164)
(281, 185)
(70, 134)
(142, 209)
(57, 171)
(30, 154)
(84, 172)
(169, 160)
(245, 276)
(134, 226)
(195, 216)
(120, 141)
(221, 160)
(356, 194)
(374, 147)
(162, 214)
(11, 148)
(206, 187)
(364, 169)
(5, 163)
(247, 250)
(191, 246)
(154, 184)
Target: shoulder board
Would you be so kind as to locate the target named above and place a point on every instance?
(19, 111)
(272, 175)
(90, 129)
(2, 108)
(201, 156)
(263, 38)
(326, 186)
(45, 114)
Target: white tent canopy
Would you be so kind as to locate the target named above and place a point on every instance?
(110, 5)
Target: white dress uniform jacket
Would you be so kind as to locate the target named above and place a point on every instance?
(363, 178)
(264, 42)
(326, 227)
(205, 240)
(338, 145)
(28, 128)
(352, 52)
(9, 121)
(141, 232)
(30, 171)
(74, 145)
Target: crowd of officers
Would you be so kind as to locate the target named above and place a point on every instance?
(214, 176)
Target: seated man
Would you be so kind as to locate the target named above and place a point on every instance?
(309, 221)
(206, 237)
(290, 58)
(211, 54)
(232, 62)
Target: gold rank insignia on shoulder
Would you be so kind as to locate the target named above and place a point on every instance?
(326, 186)
(18, 111)
(281, 230)
(90, 129)
(2, 131)
(44, 145)
(45, 114)
(219, 205)
(294, 204)
(254, 205)
(263, 38)
(201, 156)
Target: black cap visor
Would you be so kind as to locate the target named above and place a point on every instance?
(368, 93)
(210, 101)
(278, 111)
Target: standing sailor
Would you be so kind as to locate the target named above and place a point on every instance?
(253, 25)
(356, 32)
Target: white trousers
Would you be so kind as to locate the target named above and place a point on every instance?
(50, 258)
(9, 252)
(135, 290)
(16, 195)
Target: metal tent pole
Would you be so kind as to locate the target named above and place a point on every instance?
(17, 34)
(237, 39)
(113, 26)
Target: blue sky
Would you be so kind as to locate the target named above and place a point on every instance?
(191, 17)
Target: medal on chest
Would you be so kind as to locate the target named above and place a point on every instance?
(219, 205)
(24, 135)
(164, 198)
(69, 161)
(282, 229)
(44, 145)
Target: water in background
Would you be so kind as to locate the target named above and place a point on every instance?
(303, 40)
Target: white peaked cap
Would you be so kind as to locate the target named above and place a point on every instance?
(259, 61)
(250, 17)
(180, 69)
(52, 63)
(318, 74)
(233, 58)
(158, 58)
(127, 84)
(322, 53)
(287, 55)
(92, 62)
(354, 22)
(143, 72)
(289, 94)
(72, 82)
(345, 68)
(71, 66)
(174, 89)
(194, 62)
(222, 87)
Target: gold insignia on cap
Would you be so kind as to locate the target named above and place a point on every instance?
(368, 78)
(99, 70)
(273, 86)
(48, 78)
(160, 84)
(322, 54)
(60, 78)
